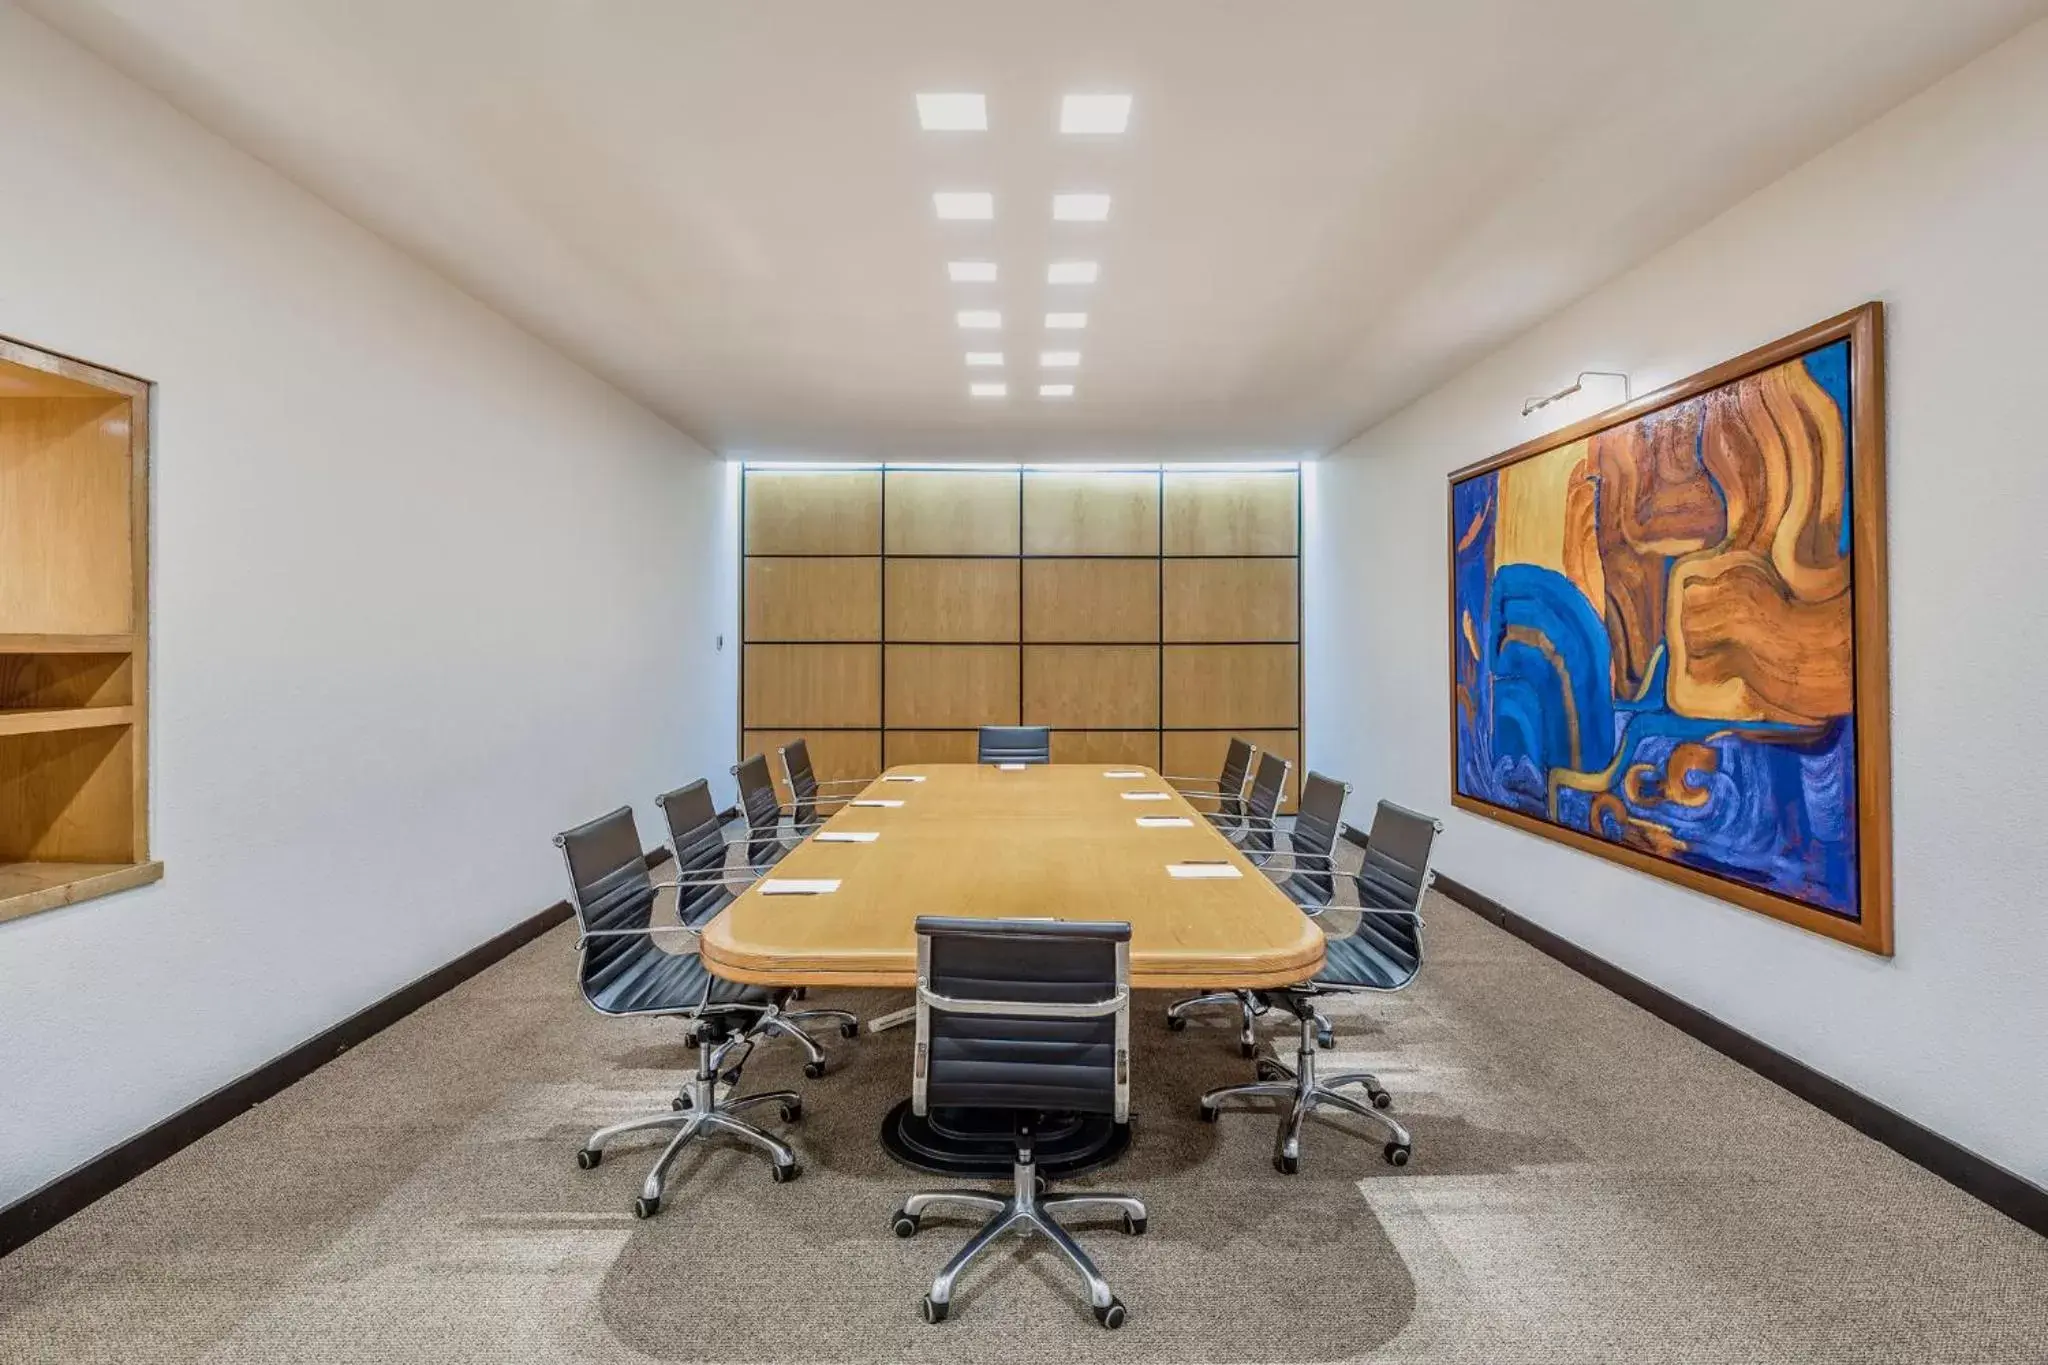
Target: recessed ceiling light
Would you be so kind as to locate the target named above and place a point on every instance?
(1095, 113)
(1055, 390)
(1072, 272)
(971, 272)
(965, 204)
(1065, 322)
(984, 359)
(1059, 360)
(988, 390)
(1074, 208)
(960, 113)
(979, 319)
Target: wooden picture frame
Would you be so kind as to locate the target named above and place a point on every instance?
(1603, 500)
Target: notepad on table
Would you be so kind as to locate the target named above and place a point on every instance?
(847, 836)
(1125, 772)
(1164, 821)
(904, 777)
(1203, 871)
(1144, 796)
(875, 801)
(799, 886)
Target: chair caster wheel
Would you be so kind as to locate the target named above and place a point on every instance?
(933, 1312)
(1111, 1314)
(1176, 1024)
(1208, 1114)
(849, 1030)
(679, 1104)
(793, 1112)
(1326, 1041)
(731, 1077)
(814, 1069)
(1040, 1186)
(1287, 1165)
(646, 1208)
(1397, 1153)
(1380, 1098)
(1247, 1049)
(1134, 1226)
(784, 1174)
(587, 1158)
(904, 1224)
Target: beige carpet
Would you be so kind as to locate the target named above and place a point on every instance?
(1588, 1186)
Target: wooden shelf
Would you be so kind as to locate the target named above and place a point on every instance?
(43, 722)
(27, 888)
(66, 644)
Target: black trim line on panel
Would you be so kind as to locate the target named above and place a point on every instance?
(2006, 1191)
(42, 1209)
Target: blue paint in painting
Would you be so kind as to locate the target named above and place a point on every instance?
(1829, 368)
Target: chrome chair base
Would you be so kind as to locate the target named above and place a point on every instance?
(1303, 1094)
(699, 1112)
(1027, 1209)
(1250, 1007)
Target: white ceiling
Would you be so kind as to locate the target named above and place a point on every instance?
(1323, 207)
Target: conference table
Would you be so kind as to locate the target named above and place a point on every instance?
(1082, 841)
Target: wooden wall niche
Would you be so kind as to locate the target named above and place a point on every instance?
(74, 631)
(1146, 615)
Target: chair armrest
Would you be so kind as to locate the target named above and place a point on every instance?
(1038, 1009)
(647, 932)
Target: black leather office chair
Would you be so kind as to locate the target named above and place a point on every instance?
(1308, 878)
(1383, 953)
(624, 971)
(1261, 808)
(705, 885)
(805, 789)
(706, 882)
(1226, 789)
(1024, 1016)
(763, 809)
(1014, 744)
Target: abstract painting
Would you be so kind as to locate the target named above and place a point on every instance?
(1668, 634)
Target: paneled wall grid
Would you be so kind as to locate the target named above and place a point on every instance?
(1146, 615)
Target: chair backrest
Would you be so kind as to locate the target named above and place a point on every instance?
(1014, 744)
(610, 891)
(1237, 766)
(764, 810)
(1317, 817)
(803, 784)
(697, 840)
(1390, 883)
(1269, 784)
(1023, 1014)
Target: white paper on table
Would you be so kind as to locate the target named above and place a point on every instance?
(1143, 796)
(799, 886)
(1164, 821)
(904, 777)
(875, 801)
(1203, 871)
(847, 836)
(1010, 767)
(1125, 772)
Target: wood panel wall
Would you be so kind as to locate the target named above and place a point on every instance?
(1145, 615)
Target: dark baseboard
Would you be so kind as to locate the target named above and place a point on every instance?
(2012, 1195)
(41, 1210)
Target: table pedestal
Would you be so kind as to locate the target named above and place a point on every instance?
(981, 1143)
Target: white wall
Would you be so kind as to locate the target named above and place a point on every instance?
(1940, 209)
(425, 594)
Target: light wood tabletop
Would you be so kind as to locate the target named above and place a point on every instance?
(1047, 841)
